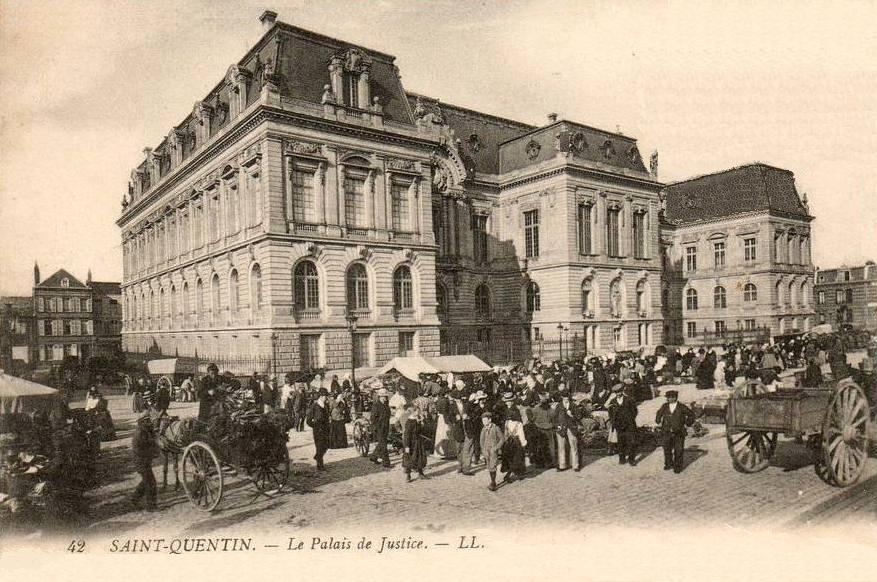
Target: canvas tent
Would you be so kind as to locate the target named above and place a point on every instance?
(412, 367)
(19, 395)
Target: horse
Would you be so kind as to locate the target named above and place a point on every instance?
(174, 434)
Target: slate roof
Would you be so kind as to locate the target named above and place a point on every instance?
(106, 288)
(55, 281)
(748, 188)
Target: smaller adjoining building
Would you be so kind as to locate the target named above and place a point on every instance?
(847, 296)
(74, 319)
(16, 333)
(737, 263)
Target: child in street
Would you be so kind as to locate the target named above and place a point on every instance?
(491, 441)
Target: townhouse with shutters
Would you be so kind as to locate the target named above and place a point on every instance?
(309, 190)
(847, 296)
(737, 257)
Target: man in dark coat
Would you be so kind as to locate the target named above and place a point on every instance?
(144, 448)
(380, 420)
(319, 420)
(208, 392)
(623, 417)
(672, 418)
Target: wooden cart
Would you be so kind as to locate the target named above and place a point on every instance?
(834, 419)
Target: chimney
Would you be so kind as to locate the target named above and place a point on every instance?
(552, 118)
(36, 274)
(88, 279)
(268, 18)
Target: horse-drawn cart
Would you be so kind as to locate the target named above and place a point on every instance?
(834, 419)
(240, 443)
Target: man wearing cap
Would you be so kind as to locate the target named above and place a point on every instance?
(622, 413)
(144, 448)
(380, 420)
(672, 418)
(319, 420)
(208, 392)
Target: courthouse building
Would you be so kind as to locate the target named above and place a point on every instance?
(308, 188)
(737, 257)
(848, 296)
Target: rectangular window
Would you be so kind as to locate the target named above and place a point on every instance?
(41, 327)
(690, 259)
(691, 329)
(351, 89)
(234, 210)
(531, 233)
(483, 335)
(310, 351)
(848, 295)
(639, 235)
(613, 247)
(820, 298)
(839, 296)
(406, 343)
(584, 224)
(537, 335)
(749, 250)
(57, 327)
(75, 327)
(360, 350)
(438, 227)
(58, 352)
(719, 254)
(89, 327)
(750, 324)
(479, 239)
(354, 202)
(399, 207)
(41, 304)
(720, 328)
(303, 203)
(254, 197)
(73, 350)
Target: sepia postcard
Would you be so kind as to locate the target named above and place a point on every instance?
(499, 290)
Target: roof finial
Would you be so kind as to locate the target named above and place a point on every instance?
(88, 278)
(552, 117)
(268, 18)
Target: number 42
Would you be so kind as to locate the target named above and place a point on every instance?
(76, 547)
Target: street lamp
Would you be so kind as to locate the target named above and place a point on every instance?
(351, 326)
(560, 336)
(274, 353)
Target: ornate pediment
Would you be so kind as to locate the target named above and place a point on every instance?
(296, 147)
(402, 165)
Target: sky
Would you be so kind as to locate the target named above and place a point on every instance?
(86, 85)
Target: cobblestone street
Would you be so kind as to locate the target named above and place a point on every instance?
(354, 493)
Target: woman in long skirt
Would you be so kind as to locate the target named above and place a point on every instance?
(513, 463)
(414, 439)
(445, 445)
(339, 416)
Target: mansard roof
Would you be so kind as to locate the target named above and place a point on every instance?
(749, 188)
(480, 134)
(55, 281)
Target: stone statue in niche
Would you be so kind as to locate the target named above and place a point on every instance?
(328, 96)
(578, 143)
(615, 298)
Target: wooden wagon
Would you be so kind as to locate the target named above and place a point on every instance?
(834, 419)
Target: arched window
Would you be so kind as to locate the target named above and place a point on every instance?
(306, 286)
(199, 301)
(162, 308)
(750, 293)
(256, 288)
(441, 299)
(804, 298)
(357, 287)
(175, 306)
(482, 301)
(234, 292)
(588, 296)
(215, 298)
(691, 300)
(720, 300)
(534, 301)
(779, 289)
(790, 299)
(150, 307)
(186, 314)
(403, 293)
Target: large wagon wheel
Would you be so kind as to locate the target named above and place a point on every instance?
(271, 474)
(751, 450)
(202, 476)
(361, 438)
(844, 435)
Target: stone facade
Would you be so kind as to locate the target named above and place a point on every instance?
(736, 269)
(847, 296)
